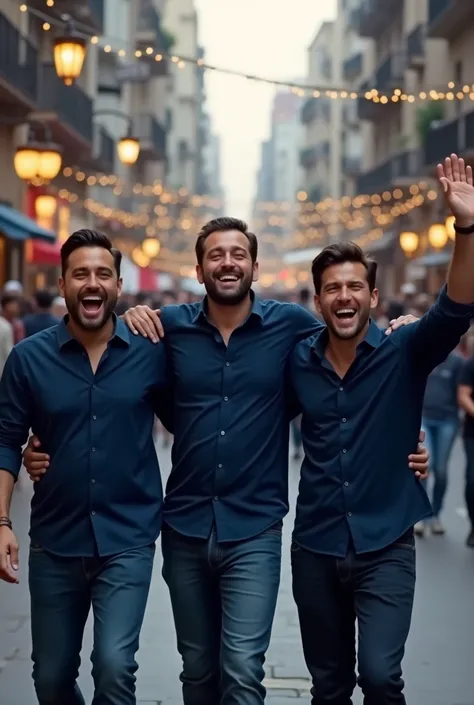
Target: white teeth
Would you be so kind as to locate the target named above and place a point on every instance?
(345, 310)
(92, 298)
(228, 279)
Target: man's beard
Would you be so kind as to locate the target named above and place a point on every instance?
(350, 333)
(228, 298)
(73, 306)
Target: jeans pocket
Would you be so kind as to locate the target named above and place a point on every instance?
(36, 548)
(275, 530)
(295, 547)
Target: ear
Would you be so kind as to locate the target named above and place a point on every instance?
(255, 272)
(61, 286)
(317, 303)
(120, 287)
(199, 274)
(374, 299)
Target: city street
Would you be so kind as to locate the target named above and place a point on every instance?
(438, 663)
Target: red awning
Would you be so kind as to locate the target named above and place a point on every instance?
(43, 252)
(148, 279)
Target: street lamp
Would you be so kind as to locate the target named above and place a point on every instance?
(140, 258)
(37, 160)
(128, 147)
(409, 242)
(69, 51)
(45, 206)
(151, 247)
(437, 235)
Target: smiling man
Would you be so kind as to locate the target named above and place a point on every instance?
(89, 390)
(361, 396)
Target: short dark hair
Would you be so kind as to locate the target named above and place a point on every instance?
(8, 298)
(44, 299)
(222, 225)
(88, 238)
(338, 253)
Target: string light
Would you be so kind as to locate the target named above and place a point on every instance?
(454, 91)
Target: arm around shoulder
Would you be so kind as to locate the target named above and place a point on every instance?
(15, 416)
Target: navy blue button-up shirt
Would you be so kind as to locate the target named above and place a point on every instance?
(102, 492)
(359, 431)
(230, 451)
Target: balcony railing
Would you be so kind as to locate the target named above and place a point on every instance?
(395, 171)
(351, 165)
(391, 72)
(448, 137)
(97, 12)
(352, 67)
(448, 18)
(149, 22)
(316, 109)
(152, 136)
(71, 105)
(373, 16)
(416, 45)
(310, 155)
(18, 61)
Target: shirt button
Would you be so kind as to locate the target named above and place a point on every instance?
(93, 482)
(344, 450)
(222, 433)
(220, 465)
(94, 418)
(93, 450)
(346, 484)
(94, 386)
(343, 420)
(226, 398)
(349, 514)
(227, 364)
(341, 389)
(93, 514)
(216, 499)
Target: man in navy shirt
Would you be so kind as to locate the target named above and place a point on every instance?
(361, 395)
(90, 390)
(228, 489)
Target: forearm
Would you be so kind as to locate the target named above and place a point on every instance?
(461, 270)
(7, 483)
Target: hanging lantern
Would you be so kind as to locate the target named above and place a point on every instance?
(26, 161)
(140, 258)
(437, 236)
(128, 149)
(50, 162)
(409, 242)
(449, 225)
(45, 206)
(151, 247)
(69, 53)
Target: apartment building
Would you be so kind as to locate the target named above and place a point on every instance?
(320, 155)
(33, 98)
(180, 19)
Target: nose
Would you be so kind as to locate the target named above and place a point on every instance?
(228, 260)
(92, 281)
(344, 294)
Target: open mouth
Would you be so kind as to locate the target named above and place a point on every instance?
(228, 278)
(345, 314)
(92, 306)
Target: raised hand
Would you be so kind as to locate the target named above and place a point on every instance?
(457, 182)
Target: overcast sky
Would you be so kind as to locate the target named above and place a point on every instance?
(264, 37)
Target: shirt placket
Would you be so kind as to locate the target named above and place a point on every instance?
(228, 372)
(344, 445)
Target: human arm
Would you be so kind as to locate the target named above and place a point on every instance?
(465, 388)
(8, 542)
(419, 461)
(142, 320)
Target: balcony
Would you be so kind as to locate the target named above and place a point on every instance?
(103, 149)
(351, 166)
(88, 13)
(18, 70)
(316, 109)
(152, 137)
(400, 170)
(352, 67)
(373, 16)
(416, 47)
(448, 18)
(311, 155)
(150, 30)
(454, 136)
(389, 75)
(67, 109)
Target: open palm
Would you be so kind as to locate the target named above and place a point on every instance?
(458, 187)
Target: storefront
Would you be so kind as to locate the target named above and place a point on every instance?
(18, 233)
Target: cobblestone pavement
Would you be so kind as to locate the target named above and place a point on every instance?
(438, 665)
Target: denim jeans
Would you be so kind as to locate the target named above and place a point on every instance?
(377, 589)
(469, 485)
(440, 437)
(62, 591)
(223, 598)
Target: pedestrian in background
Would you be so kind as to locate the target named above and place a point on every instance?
(11, 308)
(466, 402)
(42, 318)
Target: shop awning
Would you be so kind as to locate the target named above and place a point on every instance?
(18, 226)
(43, 252)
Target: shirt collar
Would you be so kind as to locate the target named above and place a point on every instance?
(256, 310)
(121, 333)
(373, 338)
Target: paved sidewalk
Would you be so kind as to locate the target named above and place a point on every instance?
(438, 665)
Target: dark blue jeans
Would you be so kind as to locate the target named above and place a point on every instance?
(223, 598)
(377, 590)
(62, 591)
(469, 486)
(440, 437)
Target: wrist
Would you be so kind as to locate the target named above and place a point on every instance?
(464, 222)
(5, 521)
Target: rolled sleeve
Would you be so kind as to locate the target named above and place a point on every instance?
(14, 414)
(466, 377)
(439, 331)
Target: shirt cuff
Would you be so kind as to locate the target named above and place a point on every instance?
(453, 308)
(10, 460)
